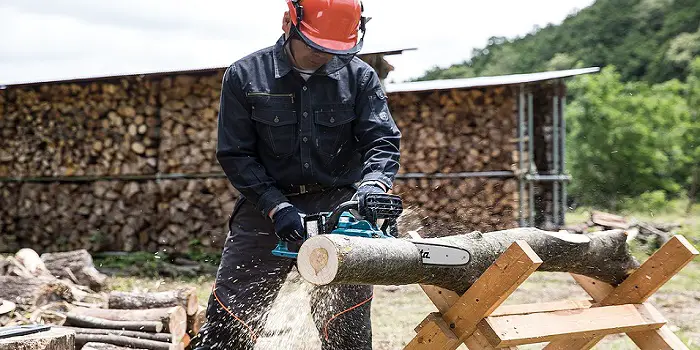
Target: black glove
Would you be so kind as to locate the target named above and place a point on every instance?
(288, 225)
(362, 192)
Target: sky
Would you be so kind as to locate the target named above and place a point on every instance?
(62, 39)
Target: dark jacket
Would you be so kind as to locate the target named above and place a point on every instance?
(276, 130)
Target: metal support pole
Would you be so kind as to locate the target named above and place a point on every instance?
(521, 183)
(555, 159)
(563, 160)
(531, 155)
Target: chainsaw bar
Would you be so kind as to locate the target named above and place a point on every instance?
(442, 255)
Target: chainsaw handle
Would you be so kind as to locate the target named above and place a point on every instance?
(333, 219)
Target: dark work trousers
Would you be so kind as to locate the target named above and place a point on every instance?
(249, 279)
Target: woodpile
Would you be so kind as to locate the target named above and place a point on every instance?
(37, 286)
(69, 129)
(456, 130)
(192, 214)
(447, 205)
(652, 234)
(190, 107)
(102, 215)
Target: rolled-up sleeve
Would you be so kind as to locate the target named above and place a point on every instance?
(236, 147)
(377, 133)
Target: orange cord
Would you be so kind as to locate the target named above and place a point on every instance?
(325, 328)
(252, 332)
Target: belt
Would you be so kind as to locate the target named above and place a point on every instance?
(305, 189)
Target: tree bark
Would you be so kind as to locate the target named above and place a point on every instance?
(173, 319)
(196, 321)
(79, 263)
(31, 292)
(185, 297)
(52, 339)
(82, 339)
(73, 319)
(338, 259)
(104, 346)
(164, 337)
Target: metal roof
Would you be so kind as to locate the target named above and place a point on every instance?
(189, 70)
(445, 84)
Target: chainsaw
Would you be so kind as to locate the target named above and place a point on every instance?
(347, 219)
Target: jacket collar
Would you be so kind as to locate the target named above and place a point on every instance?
(282, 62)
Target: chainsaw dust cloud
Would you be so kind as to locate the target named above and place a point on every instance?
(289, 325)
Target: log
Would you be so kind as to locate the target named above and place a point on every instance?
(84, 321)
(52, 339)
(82, 339)
(32, 262)
(173, 319)
(162, 337)
(196, 321)
(185, 297)
(105, 346)
(6, 307)
(76, 263)
(339, 259)
(31, 292)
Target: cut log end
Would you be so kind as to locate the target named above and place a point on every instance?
(322, 257)
(52, 339)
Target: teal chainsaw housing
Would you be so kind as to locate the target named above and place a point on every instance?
(342, 221)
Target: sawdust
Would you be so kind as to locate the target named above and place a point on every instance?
(289, 325)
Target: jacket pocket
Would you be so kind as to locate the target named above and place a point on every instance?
(333, 130)
(277, 129)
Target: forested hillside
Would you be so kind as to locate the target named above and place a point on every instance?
(651, 40)
(633, 129)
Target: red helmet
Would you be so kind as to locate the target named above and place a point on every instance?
(330, 26)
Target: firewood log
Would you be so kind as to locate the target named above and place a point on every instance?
(76, 264)
(174, 319)
(32, 262)
(105, 346)
(163, 337)
(185, 297)
(196, 321)
(31, 292)
(332, 259)
(85, 321)
(82, 339)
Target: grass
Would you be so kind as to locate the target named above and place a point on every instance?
(396, 310)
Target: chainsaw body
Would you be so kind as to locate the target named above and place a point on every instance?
(347, 220)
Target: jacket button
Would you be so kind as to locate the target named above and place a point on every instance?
(277, 119)
(304, 88)
(306, 114)
(332, 120)
(305, 139)
(306, 165)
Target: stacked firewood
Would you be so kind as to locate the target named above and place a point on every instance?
(192, 214)
(102, 215)
(65, 290)
(80, 129)
(457, 205)
(649, 233)
(190, 106)
(456, 130)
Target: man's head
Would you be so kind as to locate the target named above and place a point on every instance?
(321, 29)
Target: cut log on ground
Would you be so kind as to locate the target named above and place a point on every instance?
(75, 264)
(196, 321)
(84, 321)
(6, 307)
(163, 337)
(29, 293)
(32, 262)
(173, 319)
(52, 339)
(104, 346)
(185, 297)
(339, 259)
(82, 339)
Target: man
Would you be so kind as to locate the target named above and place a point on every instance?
(302, 124)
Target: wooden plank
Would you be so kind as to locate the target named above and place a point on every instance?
(598, 290)
(548, 326)
(522, 309)
(478, 341)
(660, 339)
(485, 295)
(442, 298)
(434, 334)
(666, 262)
